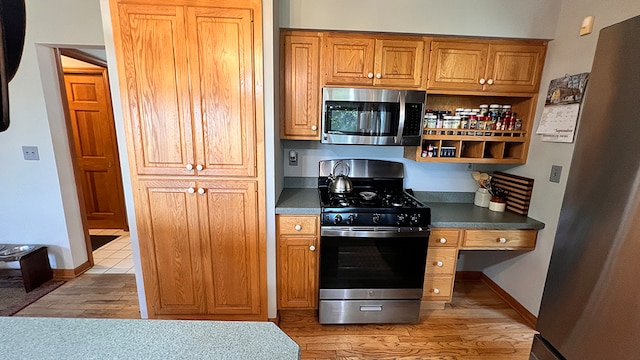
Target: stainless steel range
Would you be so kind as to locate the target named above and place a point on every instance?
(373, 246)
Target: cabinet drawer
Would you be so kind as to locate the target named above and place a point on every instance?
(444, 237)
(298, 224)
(499, 239)
(438, 288)
(441, 261)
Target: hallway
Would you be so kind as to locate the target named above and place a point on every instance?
(114, 257)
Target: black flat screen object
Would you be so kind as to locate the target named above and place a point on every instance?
(12, 32)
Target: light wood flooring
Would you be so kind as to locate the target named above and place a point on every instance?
(90, 296)
(478, 325)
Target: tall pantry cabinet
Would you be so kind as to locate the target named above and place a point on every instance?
(191, 84)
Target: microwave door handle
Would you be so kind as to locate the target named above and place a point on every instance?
(403, 99)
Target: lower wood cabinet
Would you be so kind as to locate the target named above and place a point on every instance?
(444, 245)
(297, 261)
(440, 268)
(201, 253)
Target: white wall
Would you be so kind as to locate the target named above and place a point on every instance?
(38, 201)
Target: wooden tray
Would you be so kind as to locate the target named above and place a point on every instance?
(518, 189)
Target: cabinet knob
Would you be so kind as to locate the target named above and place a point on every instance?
(298, 227)
(191, 190)
(370, 75)
(189, 166)
(443, 241)
(199, 167)
(439, 263)
(378, 76)
(490, 81)
(482, 81)
(502, 240)
(436, 291)
(314, 128)
(312, 248)
(201, 191)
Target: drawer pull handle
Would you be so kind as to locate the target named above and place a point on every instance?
(201, 191)
(443, 241)
(436, 291)
(191, 190)
(439, 263)
(199, 167)
(370, 75)
(502, 240)
(189, 166)
(482, 81)
(314, 128)
(370, 307)
(312, 248)
(298, 227)
(490, 81)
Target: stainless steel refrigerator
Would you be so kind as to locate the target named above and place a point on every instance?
(591, 302)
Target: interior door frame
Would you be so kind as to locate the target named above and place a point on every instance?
(79, 55)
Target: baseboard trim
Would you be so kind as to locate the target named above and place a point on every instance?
(275, 320)
(527, 316)
(70, 274)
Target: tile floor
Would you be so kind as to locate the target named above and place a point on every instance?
(114, 257)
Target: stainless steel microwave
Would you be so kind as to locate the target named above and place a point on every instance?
(372, 116)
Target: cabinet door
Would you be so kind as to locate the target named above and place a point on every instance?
(515, 68)
(399, 63)
(296, 263)
(221, 52)
(349, 60)
(457, 65)
(301, 86)
(171, 248)
(155, 77)
(235, 257)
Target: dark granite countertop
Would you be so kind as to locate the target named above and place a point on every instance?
(455, 210)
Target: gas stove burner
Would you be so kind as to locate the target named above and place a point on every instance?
(368, 195)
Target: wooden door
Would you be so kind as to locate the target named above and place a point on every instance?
(457, 65)
(95, 147)
(515, 68)
(301, 84)
(349, 60)
(297, 263)
(171, 247)
(154, 58)
(221, 54)
(399, 63)
(235, 256)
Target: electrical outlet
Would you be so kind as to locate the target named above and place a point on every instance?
(293, 158)
(556, 171)
(30, 153)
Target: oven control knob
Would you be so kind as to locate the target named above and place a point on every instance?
(350, 219)
(415, 218)
(337, 219)
(376, 218)
(401, 219)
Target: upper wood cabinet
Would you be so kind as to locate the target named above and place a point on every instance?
(368, 60)
(300, 84)
(189, 107)
(489, 66)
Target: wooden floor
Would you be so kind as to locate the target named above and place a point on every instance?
(478, 325)
(90, 296)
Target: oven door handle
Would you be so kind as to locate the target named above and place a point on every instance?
(375, 232)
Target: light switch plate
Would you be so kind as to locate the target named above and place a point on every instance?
(30, 153)
(556, 171)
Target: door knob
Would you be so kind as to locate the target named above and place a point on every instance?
(191, 190)
(199, 167)
(370, 75)
(378, 76)
(312, 248)
(314, 128)
(482, 81)
(201, 191)
(490, 81)
(189, 166)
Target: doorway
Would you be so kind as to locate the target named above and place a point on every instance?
(93, 145)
